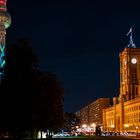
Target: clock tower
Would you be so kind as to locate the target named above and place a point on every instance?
(124, 114)
(130, 71)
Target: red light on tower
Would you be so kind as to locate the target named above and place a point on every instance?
(3, 5)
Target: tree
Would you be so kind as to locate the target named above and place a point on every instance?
(49, 102)
(28, 94)
(70, 121)
(17, 87)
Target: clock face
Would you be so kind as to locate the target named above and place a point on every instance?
(134, 60)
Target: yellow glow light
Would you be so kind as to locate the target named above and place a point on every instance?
(112, 126)
(93, 125)
(84, 125)
(126, 125)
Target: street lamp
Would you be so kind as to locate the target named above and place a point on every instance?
(84, 125)
(112, 126)
(126, 126)
(84, 128)
(77, 127)
(101, 128)
(137, 129)
(93, 125)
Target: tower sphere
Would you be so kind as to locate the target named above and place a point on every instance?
(5, 19)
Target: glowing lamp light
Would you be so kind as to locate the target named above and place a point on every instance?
(43, 135)
(112, 126)
(77, 127)
(84, 125)
(101, 128)
(93, 125)
(126, 125)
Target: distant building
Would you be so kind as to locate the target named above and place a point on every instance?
(124, 115)
(92, 112)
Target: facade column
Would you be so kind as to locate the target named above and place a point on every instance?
(114, 104)
(121, 113)
(104, 120)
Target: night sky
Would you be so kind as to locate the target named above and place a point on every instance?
(79, 40)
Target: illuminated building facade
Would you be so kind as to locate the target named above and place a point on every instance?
(92, 112)
(5, 21)
(124, 115)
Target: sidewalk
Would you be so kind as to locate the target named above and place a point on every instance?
(134, 137)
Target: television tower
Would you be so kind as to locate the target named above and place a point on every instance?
(5, 21)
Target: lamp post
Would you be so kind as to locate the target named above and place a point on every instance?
(93, 125)
(101, 128)
(112, 127)
(137, 127)
(84, 126)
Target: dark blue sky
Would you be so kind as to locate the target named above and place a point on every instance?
(79, 40)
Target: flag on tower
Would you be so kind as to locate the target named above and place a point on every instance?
(130, 31)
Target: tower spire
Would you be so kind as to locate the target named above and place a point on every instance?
(131, 44)
(5, 21)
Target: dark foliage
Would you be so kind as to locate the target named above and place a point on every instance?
(70, 121)
(30, 99)
(49, 105)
